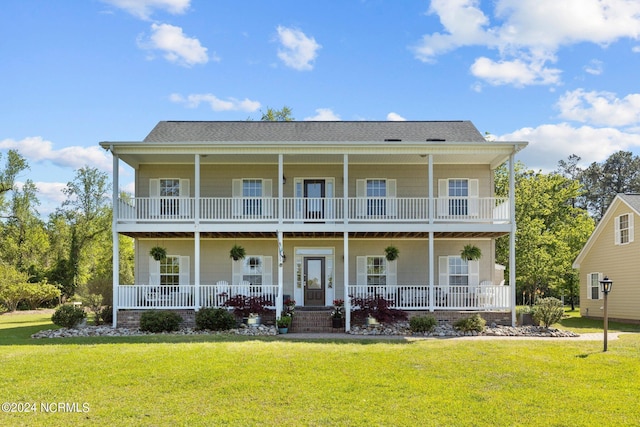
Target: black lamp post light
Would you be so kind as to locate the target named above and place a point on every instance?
(605, 286)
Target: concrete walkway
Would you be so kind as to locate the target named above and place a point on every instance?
(343, 336)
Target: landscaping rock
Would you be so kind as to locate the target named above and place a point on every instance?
(446, 330)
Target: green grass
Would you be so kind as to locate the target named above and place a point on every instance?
(208, 380)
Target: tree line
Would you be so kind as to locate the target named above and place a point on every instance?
(70, 252)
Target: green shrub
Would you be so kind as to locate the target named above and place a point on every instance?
(423, 323)
(215, 319)
(548, 311)
(468, 324)
(159, 321)
(68, 316)
(104, 315)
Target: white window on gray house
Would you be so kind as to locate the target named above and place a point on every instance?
(376, 271)
(458, 271)
(458, 194)
(252, 195)
(170, 271)
(376, 192)
(454, 271)
(593, 285)
(252, 270)
(624, 229)
(169, 192)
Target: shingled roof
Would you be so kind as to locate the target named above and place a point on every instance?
(191, 131)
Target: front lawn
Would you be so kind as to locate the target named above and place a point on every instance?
(207, 380)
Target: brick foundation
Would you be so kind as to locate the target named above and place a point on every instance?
(320, 321)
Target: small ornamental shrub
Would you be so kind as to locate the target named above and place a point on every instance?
(377, 307)
(423, 323)
(468, 324)
(284, 322)
(160, 321)
(215, 319)
(68, 316)
(548, 311)
(105, 315)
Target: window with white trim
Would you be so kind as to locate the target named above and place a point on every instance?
(593, 285)
(170, 271)
(458, 194)
(252, 270)
(376, 194)
(169, 192)
(376, 271)
(252, 195)
(458, 271)
(624, 229)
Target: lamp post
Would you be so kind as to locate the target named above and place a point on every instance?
(605, 286)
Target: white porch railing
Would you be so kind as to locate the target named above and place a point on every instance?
(183, 297)
(153, 296)
(217, 295)
(472, 209)
(300, 209)
(416, 297)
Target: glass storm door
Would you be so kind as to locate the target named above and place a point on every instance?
(314, 281)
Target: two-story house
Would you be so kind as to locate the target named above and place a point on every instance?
(314, 205)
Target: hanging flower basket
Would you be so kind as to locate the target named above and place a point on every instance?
(471, 253)
(237, 253)
(392, 253)
(158, 253)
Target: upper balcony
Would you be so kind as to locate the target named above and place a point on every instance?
(302, 210)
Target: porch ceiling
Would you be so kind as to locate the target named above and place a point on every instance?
(317, 235)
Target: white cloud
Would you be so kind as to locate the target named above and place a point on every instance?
(600, 108)
(297, 50)
(38, 150)
(177, 47)
(635, 49)
(144, 8)
(551, 143)
(231, 104)
(517, 73)
(324, 115)
(395, 117)
(594, 67)
(527, 34)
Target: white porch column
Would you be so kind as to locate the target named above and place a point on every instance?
(431, 272)
(347, 301)
(431, 205)
(114, 233)
(512, 237)
(196, 268)
(196, 236)
(280, 191)
(345, 188)
(280, 293)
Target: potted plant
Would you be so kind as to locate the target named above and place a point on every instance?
(249, 309)
(158, 253)
(289, 306)
(392, 253)
(337, 314)
(470, 253)
(237, 253)
(283, 324)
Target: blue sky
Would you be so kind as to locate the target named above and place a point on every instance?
(561, 74)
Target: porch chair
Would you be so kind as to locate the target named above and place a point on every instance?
(222, 287)
(244, 288)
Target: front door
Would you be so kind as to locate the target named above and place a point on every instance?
(314, 199)
(314, 281)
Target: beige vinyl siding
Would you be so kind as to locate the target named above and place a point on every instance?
(482, 173)
(412, 180)
(147, 172)
(621, 263)
(453, 248)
